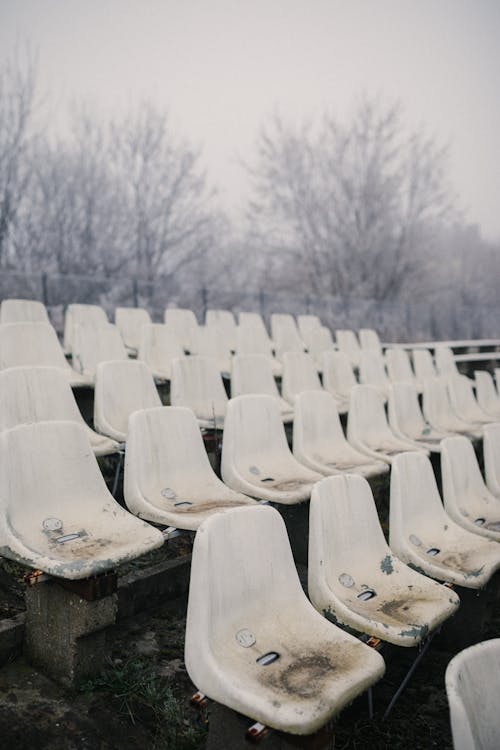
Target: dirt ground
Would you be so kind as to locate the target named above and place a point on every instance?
(142, 699)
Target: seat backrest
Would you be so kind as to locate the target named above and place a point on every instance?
(224, 321)
(122, 387)
(23, 311)
(344, 530)
(196, 383)
(253, 431)
(423, 365)
(472, 687)
(399, 366)
(285, 324)
(129, 321)
(285, 335)
(316, 425)
(404, 410)
(436, 405)
(445, 361)
(252, 373)
(307, 323)
(253, 321)
(79, 314)
(158, 346)
(318, 340)
(209, 341)
(36, 394)
(462, 398)
(299, 374)
(180, 321)
(338, 374)
(461, 476)
(486, 394)
(372, 369)
(366, 422)
(369, 339)
(415, 504)
(30, 344)
(348, 343)
(94, 344)
(252, 338)
(491, 450)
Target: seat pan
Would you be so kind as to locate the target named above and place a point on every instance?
(102, 445)
(343, 459)
(319, 670)
(277, 480)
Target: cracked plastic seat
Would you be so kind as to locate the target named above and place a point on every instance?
(168, 477)
(121, 388)
(36, 344)
(466, 497)
(424, 536)
(56, 513)
(372, 372)
(369, 339)
(158, 346)
(319, 442)
(318, 341)
(78, 314)
(180, 321)
(464, 402)
(367, 427)
(347, 342)
(406, 419)
(23, 311)
(253, 641)
(196, 382)
(299, 374)
(486, 394)
(92, 344)
(252, 373)
(43, 394)
(129, 321)
(472, 686)
(423, 365)
(209, 341)
(307, 323)
(353, 576)
(224, 322)
(439, 413)
(252, 339)
(338, 378)
(399, 368)
(256, 459)
(491, 449)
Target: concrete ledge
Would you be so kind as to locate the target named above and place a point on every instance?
(11, 637)
(145, 589)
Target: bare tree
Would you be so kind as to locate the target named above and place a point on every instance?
(354, 206)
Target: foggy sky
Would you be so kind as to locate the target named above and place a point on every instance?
(222, 66)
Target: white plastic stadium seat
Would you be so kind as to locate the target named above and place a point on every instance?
(77, 314)
(445, 361)
(406, 419)
(168, 477)
(464, 402)
(399, 368)
(353, 575)
(56, 513)
(252, 373)
(121, 388)
(318, 341)
(368, 430)
(369, 339)
(423, 535)
(196, 382)
(129, 321)
(299, 374)
(225, 323)
(307, 323)
(486, 394)
(372, 372)
(491, 448)
(423, 366)
(472, 686)
(285, 334)
(256, 459)
(466, 498)
(158, 346)
(252, 338)
(94, 344)
(23, 311)
(36, 344)
(253, 640)
(348, 343)
(338, 378)
(209, 341)
(43, 394)
(319, 442)
(180, 321)
(439, 413)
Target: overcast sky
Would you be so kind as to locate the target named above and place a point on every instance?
(222, 66)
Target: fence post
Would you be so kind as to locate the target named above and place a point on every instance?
(135, 292)
(204, 300)
(45, 293)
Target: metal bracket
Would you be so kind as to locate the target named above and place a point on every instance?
(199, 700)
(257, 732)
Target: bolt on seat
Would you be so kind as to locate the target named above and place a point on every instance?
(253, 641)
(56, 513)
(424, 536)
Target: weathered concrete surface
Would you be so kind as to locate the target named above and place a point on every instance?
(144, 589)
(65, 635)
(11, 637)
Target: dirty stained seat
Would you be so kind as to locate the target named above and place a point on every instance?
(353, 576)
(253, 641)
(424, 536)
(256, 459)
(168, 477)
(56, 513)
(406, 419)
(472, 686)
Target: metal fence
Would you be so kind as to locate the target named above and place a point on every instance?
(394, 321)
